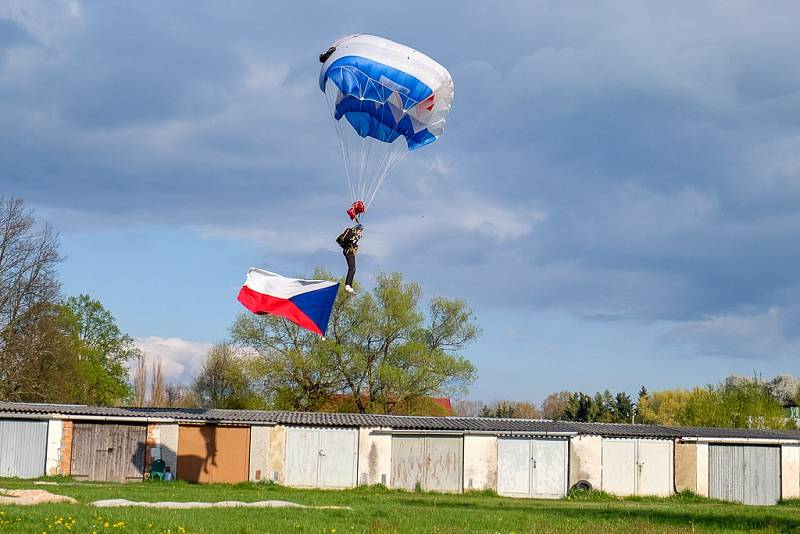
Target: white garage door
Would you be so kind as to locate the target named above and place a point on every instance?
(637, 466)
(321, 457)
(529, 467)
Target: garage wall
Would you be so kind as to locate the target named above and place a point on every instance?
(55, 428)
(790, 471)
(702, 469)
(374, 456)
(480, 463)
(276, 460)
(164, 438)
(686, 467)
(586, 460)
(259, 453)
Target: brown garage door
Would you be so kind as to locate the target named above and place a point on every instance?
(108, 452)
(218, 454)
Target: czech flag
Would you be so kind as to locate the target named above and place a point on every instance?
(307, 303)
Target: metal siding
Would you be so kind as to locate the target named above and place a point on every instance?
(444, 464)
(549, 466)
(408, 461)
(654, 467)
(23, 448)
(302, 457)
(513, 467)
(231, 463)
(749, 474)
(619, 466)
(195, 451)
(338, 458)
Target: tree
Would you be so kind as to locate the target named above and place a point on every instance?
(383, 350)
(225, 380)
(468, 408)
(39, 360)
(158, 390)
(104, 352)
(179, 396)
(28, 286)
(555, 405)
(140, 382)
(623, 408)
(28, 259)
(784, 389)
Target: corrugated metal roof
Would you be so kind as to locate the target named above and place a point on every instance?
(395, 422)
(399, 422)
(734, 433)
(625, 430)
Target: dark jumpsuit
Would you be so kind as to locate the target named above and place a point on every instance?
(349, 244)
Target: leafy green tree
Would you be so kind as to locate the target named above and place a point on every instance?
(103, 353)
(384, 350)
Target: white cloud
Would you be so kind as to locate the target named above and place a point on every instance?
(180, 358)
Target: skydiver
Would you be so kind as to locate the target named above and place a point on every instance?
(348, 240)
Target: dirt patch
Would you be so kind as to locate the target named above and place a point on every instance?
(30, 497)
(115, 503)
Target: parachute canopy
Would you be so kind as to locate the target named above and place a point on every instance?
(393, 100)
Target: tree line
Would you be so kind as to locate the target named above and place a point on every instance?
(736, 402)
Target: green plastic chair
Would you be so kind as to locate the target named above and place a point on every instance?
(157, 469)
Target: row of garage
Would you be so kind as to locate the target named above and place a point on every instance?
(535, 459)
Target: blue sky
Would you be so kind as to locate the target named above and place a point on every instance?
(617, 192)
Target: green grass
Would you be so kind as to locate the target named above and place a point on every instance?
(378, 509)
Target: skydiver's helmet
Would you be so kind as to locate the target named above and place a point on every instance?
(359, 228)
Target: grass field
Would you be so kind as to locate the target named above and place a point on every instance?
(379, 510)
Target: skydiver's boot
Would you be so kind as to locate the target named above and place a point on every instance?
(349, 289)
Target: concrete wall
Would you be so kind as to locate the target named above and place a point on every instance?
(276, 459)
(585, 460)
(790, 471)
(65, 462)
(686, 467)
(702, 469)
(259, 453)
(162, 442)
(55, 429)
(480, 462)
(374, 457)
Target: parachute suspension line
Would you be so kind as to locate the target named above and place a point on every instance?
(393, 153)
(345, 151)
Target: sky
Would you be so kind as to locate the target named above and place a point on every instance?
(616, 194)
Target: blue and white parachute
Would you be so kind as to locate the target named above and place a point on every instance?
(393, 100)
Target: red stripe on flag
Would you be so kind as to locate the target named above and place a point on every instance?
(260, 303)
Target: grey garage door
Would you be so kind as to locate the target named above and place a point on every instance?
(531, 467)
(750, 474)
(108, 452)
(23, 448)
(435, 463)
(321, 457)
